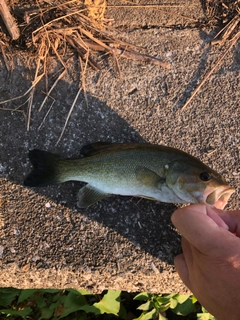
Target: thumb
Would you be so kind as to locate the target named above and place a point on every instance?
(201, 226)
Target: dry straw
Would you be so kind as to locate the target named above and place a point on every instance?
(229, 36)
(81, 27)
(71, 26)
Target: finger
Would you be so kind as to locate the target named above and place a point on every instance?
(187, 252)
(232, 219)
(211, 212)
(182, 269)
(199, 229)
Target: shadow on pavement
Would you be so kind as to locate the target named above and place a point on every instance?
(44, 226)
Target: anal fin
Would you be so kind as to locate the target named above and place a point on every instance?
(89, 195)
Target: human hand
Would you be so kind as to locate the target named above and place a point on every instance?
(210, 263)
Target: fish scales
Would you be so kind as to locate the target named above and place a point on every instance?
(121, 162)
(150, 171)
(114, 170)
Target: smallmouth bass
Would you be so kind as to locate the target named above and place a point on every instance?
(136, 169)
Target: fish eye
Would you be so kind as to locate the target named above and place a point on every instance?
(205, 176)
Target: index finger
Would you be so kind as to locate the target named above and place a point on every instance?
(207, 235)
(232, 219)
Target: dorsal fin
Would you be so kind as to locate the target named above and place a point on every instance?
(99, 147)
(94, 148)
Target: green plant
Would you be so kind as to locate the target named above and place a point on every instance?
(156, 305)
(79, 304)
(57, 304)
(205, 315)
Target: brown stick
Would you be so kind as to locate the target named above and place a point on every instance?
(9, 21)
(129, 54)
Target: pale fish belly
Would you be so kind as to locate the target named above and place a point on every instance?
(125, 188)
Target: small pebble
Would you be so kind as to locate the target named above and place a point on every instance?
(48, 205)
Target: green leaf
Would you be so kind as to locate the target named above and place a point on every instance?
(122, 312)
(163, 299)
(84, 292)
(48, 290)
(80, 292)
(49, 310)
(181, 298)
(147, 315)
(110, 303)
(163, 302)
(26, 294)
(161, 317)
(205, 315)
(142, 296)
(76, 300)
(173, 303)
(170, 295)
(73, 302)
(7, 295)
(145, 306)
(164, 307)
(204, 310)
(46, 313)
(91, 309)
(20, 313)
(194, 299)
(184, 308)
(40, 301)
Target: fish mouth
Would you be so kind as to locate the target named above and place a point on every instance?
(219, 197)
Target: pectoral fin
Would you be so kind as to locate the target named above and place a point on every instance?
(149, 178)
(89, 195)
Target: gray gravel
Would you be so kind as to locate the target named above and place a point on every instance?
(121, 242)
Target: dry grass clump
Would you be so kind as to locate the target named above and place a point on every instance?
(227, 14)
(220, 11)
(59, 30)
(80, 25)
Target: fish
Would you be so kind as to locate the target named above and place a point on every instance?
(145, 170)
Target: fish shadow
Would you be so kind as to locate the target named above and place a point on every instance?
(49, 229)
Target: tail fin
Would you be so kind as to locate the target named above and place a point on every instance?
(44, 169)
